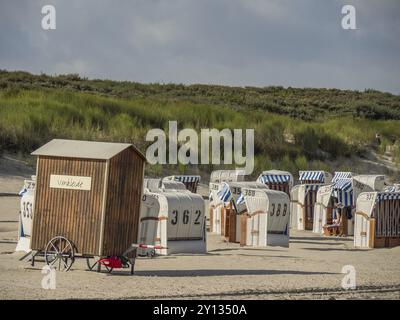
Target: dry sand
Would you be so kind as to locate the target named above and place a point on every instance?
(309, 269)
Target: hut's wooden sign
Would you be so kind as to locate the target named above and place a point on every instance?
(70, 182)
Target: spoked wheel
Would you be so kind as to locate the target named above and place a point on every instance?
(59, 253)
(92, 263)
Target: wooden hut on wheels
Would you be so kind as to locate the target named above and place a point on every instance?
(377, 220)
(277, 180)
(89, 193)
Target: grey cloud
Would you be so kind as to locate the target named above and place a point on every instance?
(235, 42)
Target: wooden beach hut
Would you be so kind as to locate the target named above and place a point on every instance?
(89, 193)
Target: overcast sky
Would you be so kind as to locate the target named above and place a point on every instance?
(298, 43)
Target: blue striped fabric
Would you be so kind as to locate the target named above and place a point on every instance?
(234, 206)
(274, 178)
(343, 190)
(240, 200)
(23, 191)
(388, 196)
(312, 187)
(225, 193)
(392, 189)
(341, 175)
(187, 178)
(312, 175)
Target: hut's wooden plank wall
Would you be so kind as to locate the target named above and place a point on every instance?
(122, 210)
(284, 187)
(75, 214)
(101, 221)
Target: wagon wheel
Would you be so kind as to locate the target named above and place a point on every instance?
(93, 262)
(59, 253)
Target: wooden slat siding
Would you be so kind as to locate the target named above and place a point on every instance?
(103, 207)
(232, 226)
(71, 213)
(243, 229)
(284, 187)
(125, 183)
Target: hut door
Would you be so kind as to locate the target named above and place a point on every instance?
(243, 229)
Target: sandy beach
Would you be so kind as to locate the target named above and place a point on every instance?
(309, 269)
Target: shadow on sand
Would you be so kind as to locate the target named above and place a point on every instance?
(317, 238)
(333, 249)
(219, 272)
(318, 242)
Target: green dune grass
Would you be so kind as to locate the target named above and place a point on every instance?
(294, 128)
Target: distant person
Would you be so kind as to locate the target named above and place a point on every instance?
(378, 139)
(334, 228)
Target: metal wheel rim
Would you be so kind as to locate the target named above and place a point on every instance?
(59, 253)
(91, 263)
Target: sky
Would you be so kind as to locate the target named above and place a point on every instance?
(298, 43)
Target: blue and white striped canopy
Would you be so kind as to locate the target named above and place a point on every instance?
(312, 175)
(23, 191)
(274, 178)
(240, 200)
(225, 193)
(312, 187)
(187, 178)
(388, 196)
(341, 175)
(392, 189)
(210, 197)
(343, 190)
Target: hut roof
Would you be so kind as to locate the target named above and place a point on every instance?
(83, 149)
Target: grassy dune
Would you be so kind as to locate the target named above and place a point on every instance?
(294, 128)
